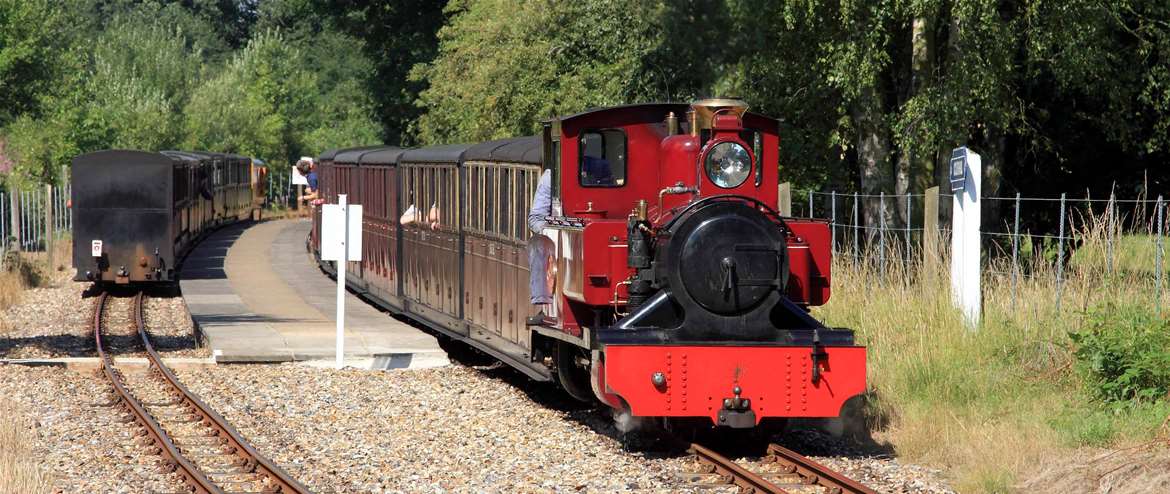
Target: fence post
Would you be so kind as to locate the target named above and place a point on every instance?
(1016, 252)
(882, 235)
(833, 223)
(1060, 253)
(785, 199)
(49, 225)
(908, 223)
(14, 209)
(3, 228)
(856, 241)
(1110, 210)
(930, 226)
(1160, 251)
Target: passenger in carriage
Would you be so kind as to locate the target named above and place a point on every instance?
(308, 167)
(540, 246)
(413, 216)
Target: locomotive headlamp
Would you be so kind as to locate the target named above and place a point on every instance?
(728, 164)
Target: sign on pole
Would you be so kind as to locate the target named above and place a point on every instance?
(341, 241)
(966, 170)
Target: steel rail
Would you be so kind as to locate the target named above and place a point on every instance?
(815, 473)
(274, 479)
(747, 480)
(190, 473)
(283, 483)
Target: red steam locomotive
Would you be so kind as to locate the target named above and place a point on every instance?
(677, 291)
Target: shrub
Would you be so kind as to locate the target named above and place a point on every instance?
(1123, 352)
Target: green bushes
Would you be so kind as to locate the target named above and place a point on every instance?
(1123, 353)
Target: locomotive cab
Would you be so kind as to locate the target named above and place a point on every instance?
(670, 257)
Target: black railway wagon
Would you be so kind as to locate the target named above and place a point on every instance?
(137, 213)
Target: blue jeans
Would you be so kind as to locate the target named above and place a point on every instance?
(539, 248)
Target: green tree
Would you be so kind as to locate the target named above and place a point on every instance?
(503, 67)
(30, 34)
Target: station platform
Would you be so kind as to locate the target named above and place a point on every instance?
(256, 295)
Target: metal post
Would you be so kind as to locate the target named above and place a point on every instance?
(1110, 210)
(882, 235)
(21, 233)
(1016, 252)
(1160, 252)
(3, 222)
(810, 204)
(342, 267)
(1060, 253)
(49, 224)
(856, 241)
(833, 223)
(908, 222)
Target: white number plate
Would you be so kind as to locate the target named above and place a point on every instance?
(95, 248)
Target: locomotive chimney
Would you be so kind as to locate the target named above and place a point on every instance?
(705, 111)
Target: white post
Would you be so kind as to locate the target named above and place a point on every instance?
(966, 169)
(342, 266)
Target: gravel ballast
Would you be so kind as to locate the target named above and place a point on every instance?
(458, 429)
(81, 442)
(56, 322)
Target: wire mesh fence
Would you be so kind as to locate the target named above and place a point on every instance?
(1023, 238)
(281, 191)
(32, 218)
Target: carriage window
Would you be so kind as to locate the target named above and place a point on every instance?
(490, 205)
(603, 158)
(505, 202)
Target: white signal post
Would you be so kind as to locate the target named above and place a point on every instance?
(341, 241)
(966, 170)
(342, 267)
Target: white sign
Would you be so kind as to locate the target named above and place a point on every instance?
(297, 178)
(341, 241)
(95, 248)
(965, 224)
(333, 232)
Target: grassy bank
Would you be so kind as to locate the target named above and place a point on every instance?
(19, 470)
(986, 404)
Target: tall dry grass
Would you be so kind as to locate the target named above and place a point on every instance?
(987, 403)
(19, 469)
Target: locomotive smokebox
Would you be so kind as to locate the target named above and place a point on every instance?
(720, 268)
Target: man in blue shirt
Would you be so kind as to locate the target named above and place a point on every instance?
(540, 246)
(308, 167)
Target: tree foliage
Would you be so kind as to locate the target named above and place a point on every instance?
(872, 93)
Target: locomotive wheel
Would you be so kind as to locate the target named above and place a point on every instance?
(573, 376)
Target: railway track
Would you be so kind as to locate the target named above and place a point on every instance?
(784, 471)
(195, 442)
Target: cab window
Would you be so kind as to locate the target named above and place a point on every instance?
(603, 158)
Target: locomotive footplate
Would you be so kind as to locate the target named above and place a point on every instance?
(733, 385)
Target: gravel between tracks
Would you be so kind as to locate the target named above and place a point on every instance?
(81, 444)
(55, 322)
